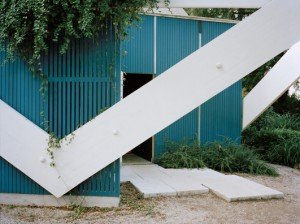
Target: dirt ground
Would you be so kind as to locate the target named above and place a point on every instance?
(206, 208)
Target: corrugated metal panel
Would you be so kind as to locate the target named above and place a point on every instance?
(137, 50)
(81, 83)
(221, 116)
(211, 30)
(20, 90)
(176, 39)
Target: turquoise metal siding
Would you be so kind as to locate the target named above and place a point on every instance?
(19, 89)
(81, 83)
(137, 50)
(176, 39)
(221, 116)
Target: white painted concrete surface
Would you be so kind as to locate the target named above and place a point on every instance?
(152, 180)
(230, 187)
(278, 80)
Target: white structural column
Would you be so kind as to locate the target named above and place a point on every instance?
(214, 3)
(24, 145)
(272, 86)
(176, 92)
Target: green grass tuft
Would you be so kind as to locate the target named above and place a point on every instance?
(226, 157)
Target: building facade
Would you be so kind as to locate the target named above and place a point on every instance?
(88, 79)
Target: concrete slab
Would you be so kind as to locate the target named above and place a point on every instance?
(180, 184)
(231, 187)
(152, 180)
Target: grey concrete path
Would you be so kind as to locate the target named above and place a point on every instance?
(152, 180)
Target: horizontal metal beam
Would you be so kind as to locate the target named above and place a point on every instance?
(278, 80)
(214, 3)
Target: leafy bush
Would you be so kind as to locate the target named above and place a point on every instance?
(281, 146)
(276, 137)
(227, 157)
(182, 155)
(30, 25)
(235, 158)
(272, 120)
(287, 152)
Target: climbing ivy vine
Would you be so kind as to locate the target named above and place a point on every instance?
(28, 26)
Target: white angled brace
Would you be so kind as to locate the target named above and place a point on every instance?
(272, 86)
(24, 145)
(176, 92)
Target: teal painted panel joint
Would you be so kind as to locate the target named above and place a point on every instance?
(81, 83)
(221, 116)
(137, 50)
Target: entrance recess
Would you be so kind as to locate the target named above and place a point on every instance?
(131, 83)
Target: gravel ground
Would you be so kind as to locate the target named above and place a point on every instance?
(186, 209)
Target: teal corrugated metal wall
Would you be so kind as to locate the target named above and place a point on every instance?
(176, 39)
(81, 83)
(137, 50)
(19, 89)
(221, 116)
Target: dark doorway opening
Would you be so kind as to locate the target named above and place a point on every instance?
(131, 83)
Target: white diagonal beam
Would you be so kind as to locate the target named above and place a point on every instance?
(213, 3)
(23, 144)
(278, 80)
(173, 94)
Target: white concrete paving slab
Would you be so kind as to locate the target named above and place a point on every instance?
(231, 187)
(180, 184)
(152, 180)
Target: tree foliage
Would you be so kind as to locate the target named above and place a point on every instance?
(29, 25)
(233, 14)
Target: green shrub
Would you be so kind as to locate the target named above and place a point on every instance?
(231, 157)
(181, 156)
(272, 120)
(276, 137)
(280, 146)
(286, 152)
(227, 157)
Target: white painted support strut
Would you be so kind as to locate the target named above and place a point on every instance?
(213, 3)
(272, 86)
(176, 92)
(24, 145)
